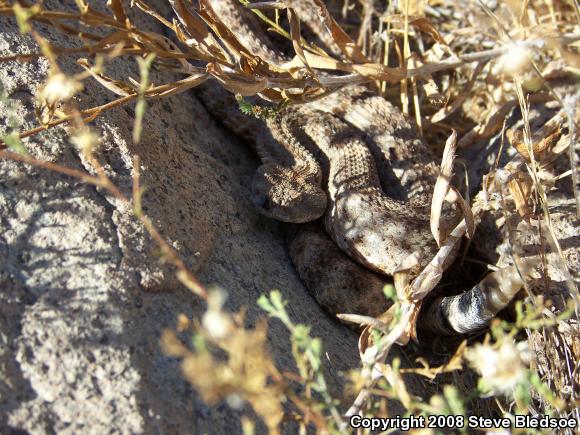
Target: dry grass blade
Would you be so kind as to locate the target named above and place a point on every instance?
(454, 363)
(466, 211)
(543, 141)
(432, 273)
(571, 112)
(148, 10)
(294, 23)
(224, 34)
(348, 47)
(429, 87)
(487, 129)
(117, 7)
(421, 23)
(180, 86)
(243, 85)
(295, 36)
(442, 186)
(360, 320)
(366, 71)
(373, 355)
(542, 198)
(195, 25)
(117, 87)
(446, 111)
(520, 188)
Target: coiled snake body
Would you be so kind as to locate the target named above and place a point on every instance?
(355, 160)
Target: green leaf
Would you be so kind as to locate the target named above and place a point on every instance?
(12, 140)
(264, 304)
(301, 335)
(390, 291)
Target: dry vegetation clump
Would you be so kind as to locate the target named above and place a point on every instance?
(488, 70)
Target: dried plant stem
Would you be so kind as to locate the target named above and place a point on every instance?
(570, 108)
(419, 288)
(371, 368)
(92, 50)
(90, 114)
(481, 56)
(83, 176)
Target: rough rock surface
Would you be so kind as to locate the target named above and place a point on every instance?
(84, 299)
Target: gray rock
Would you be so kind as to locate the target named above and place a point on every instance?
(84, 298)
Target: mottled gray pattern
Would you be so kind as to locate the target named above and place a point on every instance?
(355, 160)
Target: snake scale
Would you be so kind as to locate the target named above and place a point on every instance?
(354, 160)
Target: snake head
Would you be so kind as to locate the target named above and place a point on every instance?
(286, 195)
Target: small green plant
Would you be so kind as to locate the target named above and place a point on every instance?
(307, 352)
(11, 137)
(257, 111)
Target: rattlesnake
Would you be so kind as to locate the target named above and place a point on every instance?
(373, 228)
(354, 158)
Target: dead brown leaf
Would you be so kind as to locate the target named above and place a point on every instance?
(117, 87)
(117, 7)
(541, 145)
(421, 23)
(442, 186)
(348, 47)
(520, 187)
(454, 363)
